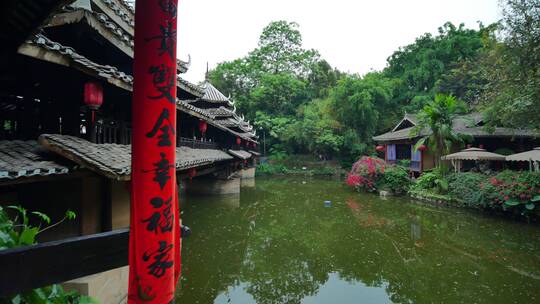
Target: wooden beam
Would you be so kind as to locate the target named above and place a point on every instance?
(182, 174)
(80, 173)
(35, 266)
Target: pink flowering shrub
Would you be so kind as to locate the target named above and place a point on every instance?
(513, 191)
(365, 173)
(516, 190)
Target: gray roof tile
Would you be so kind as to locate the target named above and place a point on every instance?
(241, 154)
(26, 158)
(114, 161)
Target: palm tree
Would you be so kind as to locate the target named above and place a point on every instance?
(436, 121)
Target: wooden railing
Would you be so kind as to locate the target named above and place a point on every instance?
(197, 144)
(35, 266)
(110, 132)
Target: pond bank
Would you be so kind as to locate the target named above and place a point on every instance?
(300, 167)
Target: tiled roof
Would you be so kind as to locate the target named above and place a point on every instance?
(121, 79)
(229, 122)
(121, 9)
(94, 19)
(193, 88)
(213, 95)
(254, 153)
(464, 124)
(222, 112)
(125, 12)
(181, 104)
(241, 154)
(102, 71)
(130, 4)
(26, 158)
(398, 135)
(114, 161)
(106, 72)
(236, 123)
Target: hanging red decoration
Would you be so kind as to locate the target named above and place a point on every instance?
(380, 148)
(238, 141)
(245, 162)
(192, 173)
(422, 148)
(203, 126)
(481, 146)
(154, 244)
(93, 95)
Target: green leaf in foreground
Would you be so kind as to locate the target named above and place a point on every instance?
(512, 203)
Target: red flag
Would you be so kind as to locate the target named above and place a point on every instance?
(154, 253)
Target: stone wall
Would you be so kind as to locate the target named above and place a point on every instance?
(109, 287)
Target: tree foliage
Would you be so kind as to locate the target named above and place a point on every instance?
(419, 66)
(304, 105)
(512, 65)
(438, 117)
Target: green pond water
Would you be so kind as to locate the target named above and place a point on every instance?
(278, 243)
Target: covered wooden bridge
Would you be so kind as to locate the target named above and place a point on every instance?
(66, 131)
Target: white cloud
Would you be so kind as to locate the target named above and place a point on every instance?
(354, 36)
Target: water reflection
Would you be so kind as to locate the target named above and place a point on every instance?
(281, 245)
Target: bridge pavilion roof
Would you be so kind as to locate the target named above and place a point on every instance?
(41, 47)
(114, 161)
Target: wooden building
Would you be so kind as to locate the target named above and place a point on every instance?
(57, 151)
(399, 142)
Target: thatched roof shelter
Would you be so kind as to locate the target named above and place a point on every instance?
(532, 156)
(475, 154)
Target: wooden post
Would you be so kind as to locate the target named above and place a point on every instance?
(154, 253)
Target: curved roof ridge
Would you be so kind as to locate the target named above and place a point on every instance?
(212, 94)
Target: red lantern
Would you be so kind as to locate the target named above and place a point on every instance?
(203, 126)
(93, 95)
(192, 173)
(245, 162)
(380, 148)
(238, 141)
(422, 148)
(481, 146)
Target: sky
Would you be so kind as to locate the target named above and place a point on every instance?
(355, 36)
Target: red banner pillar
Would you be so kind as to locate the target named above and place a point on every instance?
(154, 253)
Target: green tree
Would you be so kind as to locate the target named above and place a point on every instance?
(316, 130)
(323, 78)
(436, 119)
(512, 95)
(274, 76)
(278, 94)
(420, 65)
(365, 104)
(280, 50)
